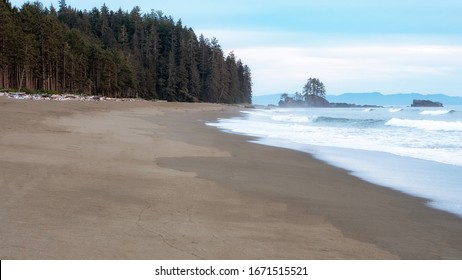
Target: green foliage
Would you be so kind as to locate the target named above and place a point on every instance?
(314, 87)
(115, 54)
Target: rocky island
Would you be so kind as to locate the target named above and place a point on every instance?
(425, 103)
(318, 102)
(314, 95)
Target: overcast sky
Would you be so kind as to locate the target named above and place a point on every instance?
(392, 46)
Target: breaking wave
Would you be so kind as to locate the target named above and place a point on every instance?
(436, 112)
(426, 124)
(292, 118)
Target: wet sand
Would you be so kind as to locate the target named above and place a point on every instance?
(144, 180)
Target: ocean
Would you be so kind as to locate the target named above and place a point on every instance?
(417, 151)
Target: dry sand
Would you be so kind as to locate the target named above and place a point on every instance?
(143, 180)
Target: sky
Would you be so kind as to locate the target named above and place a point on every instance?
(392, 46)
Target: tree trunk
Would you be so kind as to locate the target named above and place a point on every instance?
(20, 79)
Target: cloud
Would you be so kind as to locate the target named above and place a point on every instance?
(352, 46)
(345, 68)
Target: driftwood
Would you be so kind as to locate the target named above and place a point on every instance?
(60, 97)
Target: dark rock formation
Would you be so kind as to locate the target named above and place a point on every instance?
(425, 103)
(318, 101)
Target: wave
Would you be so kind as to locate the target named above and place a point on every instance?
(331, 119)
(437, 112)
(426, 124)
(352, 122)
(394, 110)
(292, 118)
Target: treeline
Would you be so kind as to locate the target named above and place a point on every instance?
(115, 54)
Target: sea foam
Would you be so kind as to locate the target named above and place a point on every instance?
(426, 124)
(292, 118)
(436, 112)
(374, 145)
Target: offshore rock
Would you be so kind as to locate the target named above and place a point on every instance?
(425, 103)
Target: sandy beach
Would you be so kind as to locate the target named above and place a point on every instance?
(146, 180)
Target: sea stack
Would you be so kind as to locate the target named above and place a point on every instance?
(425, 103)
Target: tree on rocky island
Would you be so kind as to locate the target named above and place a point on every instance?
(313, 95)
(314, 87)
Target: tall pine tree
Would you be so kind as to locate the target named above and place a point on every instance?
(115, 54)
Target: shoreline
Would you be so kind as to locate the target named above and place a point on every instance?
(411, 161)
(142, 180)
(407, 247)
(371, 171)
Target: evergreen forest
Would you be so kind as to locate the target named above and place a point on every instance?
(115, 54)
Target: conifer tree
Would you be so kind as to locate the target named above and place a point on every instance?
(314, 87)
(115, 54)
